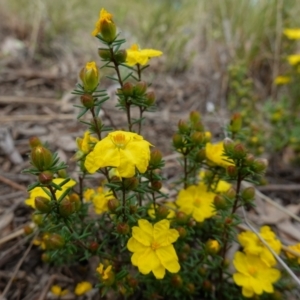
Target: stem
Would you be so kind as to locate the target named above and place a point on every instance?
(98, 130)
(123, 200)
(185, 170)
(81, 178)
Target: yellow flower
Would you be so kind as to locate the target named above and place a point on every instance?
(253, 245)
(294, 59)
(123, 150)
(212, 246)
(281, 80)
(152, 248)
(85, 144)
(106, 275)
(253, 275)
(41, 241)
(197, 201)
(292, 33)
(99, 198)
(215, 154)
(135, 55)
(105, 26)
(82, 288)
(88, 194)
(296, 248)
(39, 192)
(58, 291)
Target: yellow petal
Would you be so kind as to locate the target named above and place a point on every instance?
(168, 258)
(148, 261)
(134, 245)
(141, 236)
(159, 272)
(248, 293)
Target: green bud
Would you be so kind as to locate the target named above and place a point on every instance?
(220, 202)
(41, 158)
(121, 56)
(182, 232)
(197, 137)
(248, 194)
(212, 247)
(150, 98)
(132, 209)
(108, 29)
(198, 126)
(62, 173)
(190, 288)
(181, 217)
(200, 156)
(87, 100)
(155, 159)
(42, 204)
(178, 141)
(55, 241)
(90, 76)
(231, 193)
(236, 123)
(183, 127)
(130, 184)
(104, 54)
(37, 219)
(260, 165)
(140, 88)
(194, 117)
(162, 211)
(186, 248)
(74, 198)
(228, 145)
(239, 151)
(176, 281)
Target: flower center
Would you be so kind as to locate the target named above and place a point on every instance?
(119, 140)
(197, 202)
(252, 270)
(155, 245)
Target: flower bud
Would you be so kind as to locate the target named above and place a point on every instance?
(45, 177)
(236, 123)
(37, 219)
(239, 151)
(90, 76)
(220, 202)
(150, 98)
(121, 56)
(156, 185)
(34, 142)
(194, 117)
(127, 89)
(107, 28)
(66, 207)
(93, 246)
(207, 286)
(248, 194)
(178, 141)
(42, 204)
(27, 229)
(249, 160)
(176, 281)
(197, 137)
(62, 173)
(113, 204)
(186, 248)
(202, 271)
(132, 209)
(132, 282)
(74, 198)
(182, 232)
(105, 54)
(55, 241)
(191, 222)
(155, 159)
(231, 193)
(130, 184)
(87, 100)
(190, 288)
(162, 211)
(181, 217)
(183, 127)
(212, 247)
(198, 126)
(207, 136)
(182, 256)
(200, 156)
(228, 220)
(228, 145)
(45, 257)
(231, 171)
(123, 228)
(41, 158)
(260, 165)
(140, 88)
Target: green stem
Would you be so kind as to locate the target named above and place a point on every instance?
(98, 130)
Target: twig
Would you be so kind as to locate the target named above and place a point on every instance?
(270, 201)
(29, 100)
(12, 236)
(13, 184)
(17, 269)
(36, 118)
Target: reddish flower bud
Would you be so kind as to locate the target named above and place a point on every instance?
(123, 228)
(228, 145)
(176, 281)
(74, 198)
(162, 211)
(55, 241)
(150, 98)
(220, 202)
(42, 204)
(198, 137)
(190, 288)
(156, 185)
(41, 158)
(239, 151)
(198, 126)
(228, 220)
(249, 160)
(231, 171)
(132, 209)
(181, 217)
(182, 232)
(27, 230)
(113, 204)
(207, 286)
(66, 207)
(130, 184)
(34, 142)
(93, 246)
(132, 282)
(127, 89)
(236, 123)
(45, 177)
(87, 100)
(186, 248)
